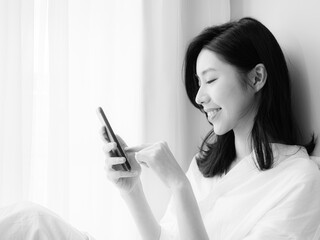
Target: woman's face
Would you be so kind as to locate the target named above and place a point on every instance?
(226, 101)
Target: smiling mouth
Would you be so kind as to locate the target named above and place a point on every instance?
(213, 113)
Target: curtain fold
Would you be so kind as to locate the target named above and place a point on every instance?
(58, 136)
(59, 61)
(16, 86)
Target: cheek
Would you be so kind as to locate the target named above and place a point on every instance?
(241, 106)
(227, 96)
(235, 102)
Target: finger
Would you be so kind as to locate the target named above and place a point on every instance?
(144, 164)
(104, 135)
(115, 175)
(121, 141)
(115, 160)
(138, 148)
(102, 130)
(109, 147)
(141, 159)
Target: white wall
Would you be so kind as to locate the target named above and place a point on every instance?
(295, 24)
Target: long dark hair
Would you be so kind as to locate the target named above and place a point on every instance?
(244, 44)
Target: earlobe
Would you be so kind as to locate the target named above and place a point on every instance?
(258, 77)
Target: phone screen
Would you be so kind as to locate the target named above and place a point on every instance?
(111, 137)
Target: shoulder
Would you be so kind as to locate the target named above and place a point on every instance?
(201, 186)
(295, 162)
(193, 170)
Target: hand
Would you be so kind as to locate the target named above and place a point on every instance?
(124, 180)
(160, 159)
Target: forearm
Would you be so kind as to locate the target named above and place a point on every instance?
(142, 214)
(189, 219)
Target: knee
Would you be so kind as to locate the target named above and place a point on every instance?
(22, 211)
(29, 209)
(20, 217)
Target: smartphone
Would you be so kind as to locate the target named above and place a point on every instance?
(111, 137)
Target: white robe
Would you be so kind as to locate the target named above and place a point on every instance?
(248, 204)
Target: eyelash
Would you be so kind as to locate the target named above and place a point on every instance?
(212, 80)
(208, 82)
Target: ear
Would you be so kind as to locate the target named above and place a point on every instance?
(258, 77)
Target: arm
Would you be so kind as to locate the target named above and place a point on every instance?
(129, 185)
(189, 219)
(142, 214)
(160, 159)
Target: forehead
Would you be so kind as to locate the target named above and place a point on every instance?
(208, 59)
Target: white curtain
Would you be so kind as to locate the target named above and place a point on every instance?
(59, 61)
(168, 27)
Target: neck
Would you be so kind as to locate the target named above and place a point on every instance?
(242, 146)
(242, 134)
(242, 139)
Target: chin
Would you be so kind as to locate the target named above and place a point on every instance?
(220, 131)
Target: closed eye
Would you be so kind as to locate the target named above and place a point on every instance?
(212, 80)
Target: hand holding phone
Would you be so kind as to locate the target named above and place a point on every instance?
(111, 137)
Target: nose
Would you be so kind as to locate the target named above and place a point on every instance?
(202, 97)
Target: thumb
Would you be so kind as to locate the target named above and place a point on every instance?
(141, 159)
(121, 141)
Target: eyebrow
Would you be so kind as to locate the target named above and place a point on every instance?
(208, 70)
(204, 72)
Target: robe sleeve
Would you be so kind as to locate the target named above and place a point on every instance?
(297, 216)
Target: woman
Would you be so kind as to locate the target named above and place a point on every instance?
(250, 179)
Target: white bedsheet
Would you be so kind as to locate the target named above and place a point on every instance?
(29, 221)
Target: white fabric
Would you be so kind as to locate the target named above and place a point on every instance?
(316, 160)
(29, 221)
(280, 203)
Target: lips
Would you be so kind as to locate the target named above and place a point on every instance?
(212, 113)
